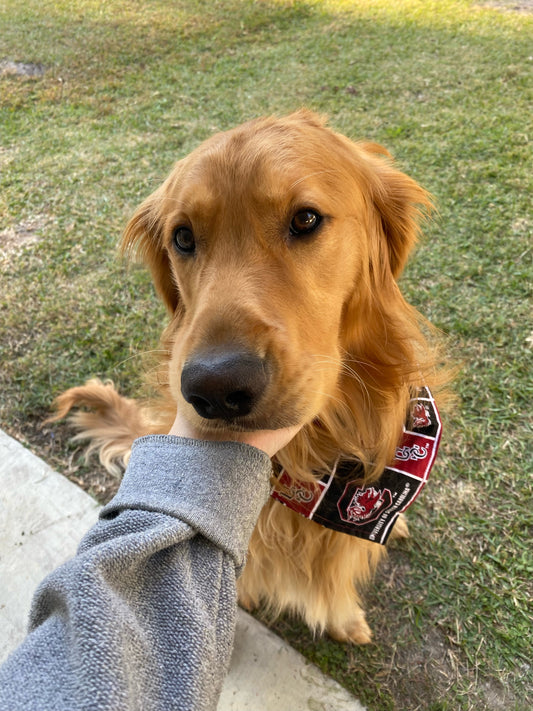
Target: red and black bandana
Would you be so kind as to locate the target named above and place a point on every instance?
(341, 502)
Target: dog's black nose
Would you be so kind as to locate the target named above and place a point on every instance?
(223, 383)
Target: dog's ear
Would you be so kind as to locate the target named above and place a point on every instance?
(143, 237)
(399, 203)
(380, 332)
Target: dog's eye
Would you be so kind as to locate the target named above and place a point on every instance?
(304, 222)
(184, 240)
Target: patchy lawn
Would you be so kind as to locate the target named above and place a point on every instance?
(97, 100)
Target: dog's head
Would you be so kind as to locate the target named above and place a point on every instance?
(276, 247)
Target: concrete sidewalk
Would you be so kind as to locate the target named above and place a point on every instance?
(43, 517)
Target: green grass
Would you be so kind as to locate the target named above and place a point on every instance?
(130, 87)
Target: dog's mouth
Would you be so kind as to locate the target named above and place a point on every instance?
(259, 419)
(248, 424)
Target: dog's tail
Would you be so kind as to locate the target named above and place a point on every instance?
(111, 421)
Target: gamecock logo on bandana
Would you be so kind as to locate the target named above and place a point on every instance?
(421, 416)
(363, 504)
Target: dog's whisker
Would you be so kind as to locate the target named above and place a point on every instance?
(347, 370)
(347, 359)
(345, 366)
(142, 354)
(333, 398)
(350, 358)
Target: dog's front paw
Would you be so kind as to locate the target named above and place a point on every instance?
(356, 630)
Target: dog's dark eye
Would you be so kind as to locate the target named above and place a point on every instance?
(304, 222)
(184, 240)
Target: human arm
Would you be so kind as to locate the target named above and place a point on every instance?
(143, 616)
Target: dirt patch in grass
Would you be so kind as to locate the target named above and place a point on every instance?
(431, 667)
(425, 661)
(509, 5)
(21, 69)
(14, 239)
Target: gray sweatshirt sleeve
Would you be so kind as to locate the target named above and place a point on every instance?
(143, 616)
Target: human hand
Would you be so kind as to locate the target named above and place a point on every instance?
(270, 441)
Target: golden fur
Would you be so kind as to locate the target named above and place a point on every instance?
(326, 311)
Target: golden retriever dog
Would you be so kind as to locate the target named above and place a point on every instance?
(276, 248)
